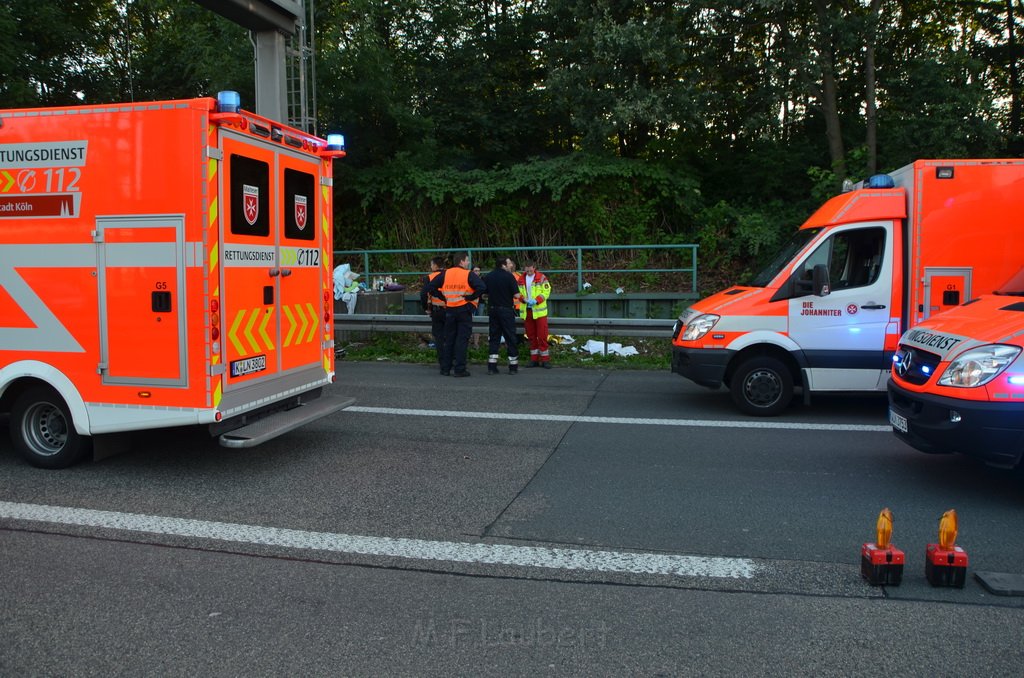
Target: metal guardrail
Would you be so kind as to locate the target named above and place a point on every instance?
(689, 251)
(586, 327)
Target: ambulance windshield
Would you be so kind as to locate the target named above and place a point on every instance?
(1014, 287)
(784, 257)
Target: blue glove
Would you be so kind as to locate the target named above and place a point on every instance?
(531, 303)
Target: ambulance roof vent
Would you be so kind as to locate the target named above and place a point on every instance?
(228, 102)
(881, 181)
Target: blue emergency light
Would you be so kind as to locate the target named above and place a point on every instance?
(881, 181)
(228, 102)
(1017, 380)
(335, 142)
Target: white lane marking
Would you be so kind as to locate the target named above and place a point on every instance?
(413, 549)
(570, 418)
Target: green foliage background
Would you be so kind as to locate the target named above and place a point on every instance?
(536, 123)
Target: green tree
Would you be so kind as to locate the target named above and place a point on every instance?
(617, 71)
(170, 49)
(51, 51)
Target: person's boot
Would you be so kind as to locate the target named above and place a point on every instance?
(546, 365)
(513, 369)
(492, 368)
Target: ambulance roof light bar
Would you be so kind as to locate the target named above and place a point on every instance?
(335, 147)
(335, 142)
(881, 181)
(228, 101)
(229, 111)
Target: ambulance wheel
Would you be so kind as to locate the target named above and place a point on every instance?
(42, 430)
(762, 386)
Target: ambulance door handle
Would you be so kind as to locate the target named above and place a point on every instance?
(274, 272)
(285, 272)
(873, 307)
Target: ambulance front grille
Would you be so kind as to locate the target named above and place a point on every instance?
(915, 366)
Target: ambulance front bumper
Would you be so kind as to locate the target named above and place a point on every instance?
(702, 366)
(990, 431)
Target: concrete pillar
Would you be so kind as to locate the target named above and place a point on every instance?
(271, 91)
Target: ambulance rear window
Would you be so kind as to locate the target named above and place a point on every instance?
(299, 205)
(250, 196)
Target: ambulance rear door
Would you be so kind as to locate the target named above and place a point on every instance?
(302, 268)
(271, 264)
(249, 265)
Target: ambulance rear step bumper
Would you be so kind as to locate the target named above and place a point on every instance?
(276, 424)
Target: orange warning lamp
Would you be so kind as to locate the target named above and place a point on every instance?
(881, 563)
(884, 529)
(947, 530)
(946, 563)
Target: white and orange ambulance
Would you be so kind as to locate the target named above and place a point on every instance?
(162, 264)
(957, 381)
(827, 313)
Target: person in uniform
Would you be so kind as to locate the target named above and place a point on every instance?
(535, 290)
(502, 298)
(458, 287)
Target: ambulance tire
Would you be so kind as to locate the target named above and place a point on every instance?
(43, 432)
(762, 386)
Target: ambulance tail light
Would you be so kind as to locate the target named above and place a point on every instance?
(978, 366)
(699, 326)
(328, 307)
(215, 325)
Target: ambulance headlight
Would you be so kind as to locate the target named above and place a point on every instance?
(335, 142)
(699, 326)
(978, 366)
(228, 102)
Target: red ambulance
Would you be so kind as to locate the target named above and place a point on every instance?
(162, 264)
(957, 380)
(827, 313)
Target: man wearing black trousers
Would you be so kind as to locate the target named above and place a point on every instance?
(458, 287)
(502, 295)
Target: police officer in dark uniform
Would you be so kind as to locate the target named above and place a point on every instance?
(502, 296)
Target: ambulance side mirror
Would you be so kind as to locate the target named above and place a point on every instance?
(819, 281)
(803, 282)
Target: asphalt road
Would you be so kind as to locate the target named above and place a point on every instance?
(556, 522)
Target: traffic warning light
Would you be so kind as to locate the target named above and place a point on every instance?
(881, 563)
(946, 563)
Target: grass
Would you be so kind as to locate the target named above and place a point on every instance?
(408, 347)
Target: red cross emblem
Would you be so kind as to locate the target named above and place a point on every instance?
(251, 203)
(300, 211)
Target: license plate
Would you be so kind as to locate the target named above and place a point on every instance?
(898, 421)
(248, 366)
